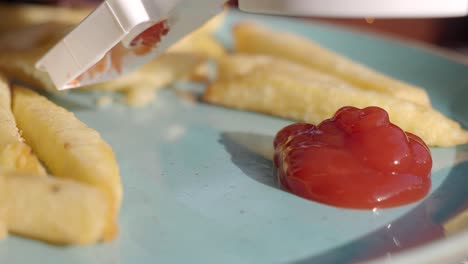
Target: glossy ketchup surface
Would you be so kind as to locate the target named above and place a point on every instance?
(357, 159)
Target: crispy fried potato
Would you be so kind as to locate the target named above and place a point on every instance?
(69, 148)
(292, 91)
(235, 65)
(139, 97)
(139, 87)
(202, 73)
(213, 24)
(8, 131)
(104, 101)
(202, 42)
(15, 155)
(58, 211)
(256, 39)
(16, 16)
(158, 73)
(18, 156)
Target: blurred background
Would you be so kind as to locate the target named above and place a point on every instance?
(449, 33)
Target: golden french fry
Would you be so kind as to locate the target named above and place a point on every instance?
(289, 90)
(8, 131)
(69, 148)
(15, 155)
(15, 16)
(19, 156)
(139, 87)
(201, 44)
(201, 73)
(213, 24)
(232, 66)
(139, 97)
(202, 40)
(55, 210)
(104, 101)
(256, 39)
(158, 73)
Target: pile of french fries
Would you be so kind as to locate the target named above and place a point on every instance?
(286, 75)
(60, 181)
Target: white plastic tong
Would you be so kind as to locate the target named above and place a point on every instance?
(121, 35)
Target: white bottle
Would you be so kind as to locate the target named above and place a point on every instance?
(358, 8)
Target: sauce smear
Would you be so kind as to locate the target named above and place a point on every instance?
(113, 60)
(357, 159)
(150, 38)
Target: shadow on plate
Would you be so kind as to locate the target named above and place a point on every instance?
(252, 153)
(442, 214)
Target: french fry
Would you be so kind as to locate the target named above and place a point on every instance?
(203, 45)
(158, 73)
(232, 66)
(289, 90)
(8, 131)
(54, 210)
(202, 73)
(15, 155)
(213, 24)
(139, 97)
(139, 87)
(202, 42)
(69, 148)
(256, 39)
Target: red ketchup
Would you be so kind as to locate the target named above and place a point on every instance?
(150, 38)
(357, 159)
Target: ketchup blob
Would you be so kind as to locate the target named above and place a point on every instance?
(357, 159)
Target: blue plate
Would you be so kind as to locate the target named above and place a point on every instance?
(199, 190)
